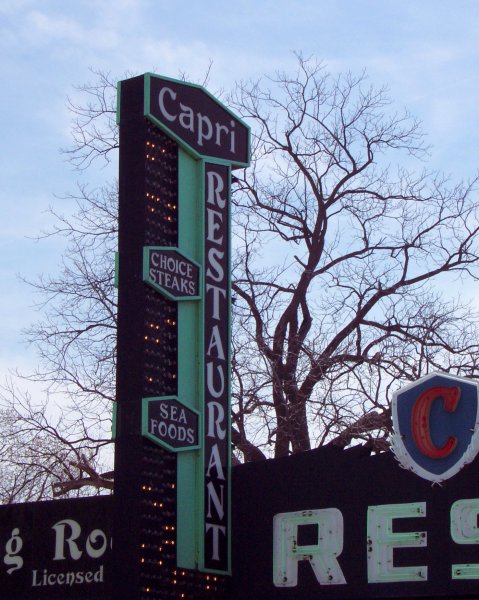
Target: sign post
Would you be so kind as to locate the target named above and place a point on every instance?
(178, 145)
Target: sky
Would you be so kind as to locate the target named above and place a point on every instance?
(425, 51)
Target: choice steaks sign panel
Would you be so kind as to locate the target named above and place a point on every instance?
(217, 369)
(337, 524)
(171, 273)
(59, 549)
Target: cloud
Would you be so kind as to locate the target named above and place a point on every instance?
(10, 7)
(47, 28)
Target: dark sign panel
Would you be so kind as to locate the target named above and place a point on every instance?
(171, 273)
(197, 119)
(171, 424)
(217, 369)
(59, 549)
(145, 473)
(337, 524)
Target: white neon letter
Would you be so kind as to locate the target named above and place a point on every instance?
(382, 541)
(464, 530)
(321, 556)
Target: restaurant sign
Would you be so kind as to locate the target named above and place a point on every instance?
(191, 115)
(344, 524)
(58, 549)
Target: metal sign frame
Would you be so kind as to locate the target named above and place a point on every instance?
(150, 79)
(57, 549)
(346, 525)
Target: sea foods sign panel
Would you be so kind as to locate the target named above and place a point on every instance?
(170, 423)
(59, 549)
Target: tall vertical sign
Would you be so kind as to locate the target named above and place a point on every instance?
(178, 145)
(217, 445)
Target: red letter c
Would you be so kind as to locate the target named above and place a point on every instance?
(420, 420)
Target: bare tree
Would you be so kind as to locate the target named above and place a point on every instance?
(60, 442)
(93, 127)
(343, 257)
(42, 456)
(340, 257)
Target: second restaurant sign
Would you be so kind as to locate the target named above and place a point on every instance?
(338, 524)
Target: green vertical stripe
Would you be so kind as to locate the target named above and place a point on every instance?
(189, 348)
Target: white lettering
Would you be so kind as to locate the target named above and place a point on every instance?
(187, 118)
(213, 254)
(216, 393)
(214, 220)
(382, 540)
(215, 187)
(35, 583)
(203, 133)
(68, 579)
(219, 129)
(464, 530)
(171, 108)
(164, 410)
(60, 539)
(215, 422)
(12, 548)
(322, 556)
(97, 537)
(168, 116)
(215, 343)
(215, 463)
(217, 502)
(216, 529)
(232, 145)
(217, 291)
